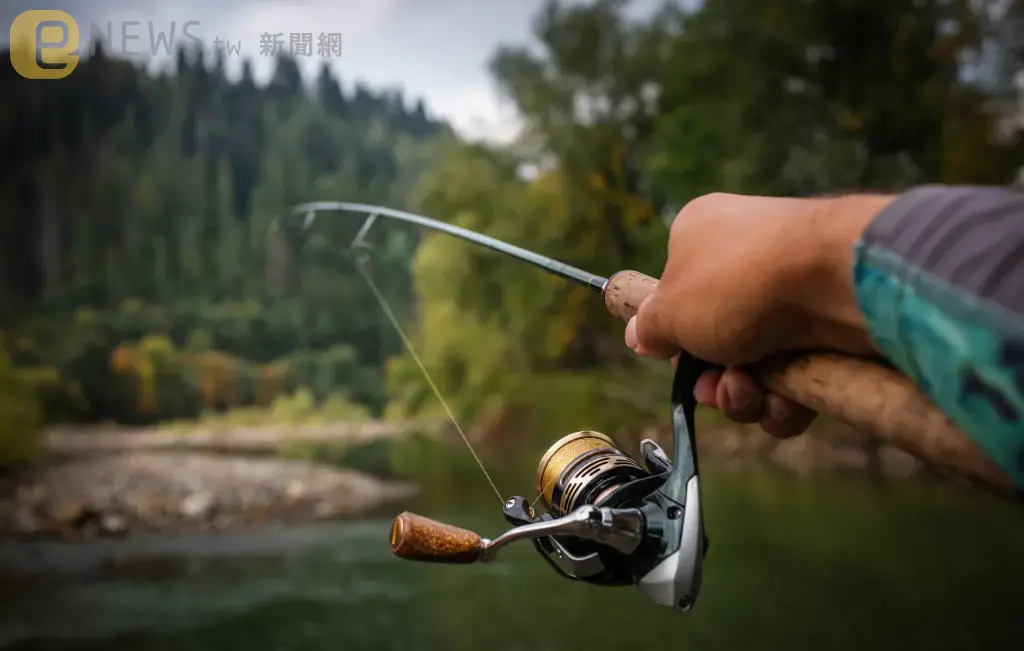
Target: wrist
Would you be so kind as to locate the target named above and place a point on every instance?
(826, 294)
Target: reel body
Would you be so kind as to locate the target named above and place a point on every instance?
(611, 520)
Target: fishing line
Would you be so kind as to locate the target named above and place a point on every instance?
(541, 493)
(430, 381)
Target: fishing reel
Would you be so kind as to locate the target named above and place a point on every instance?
(611, 520)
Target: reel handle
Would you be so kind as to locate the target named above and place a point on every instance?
(416, 538)
(863, 393)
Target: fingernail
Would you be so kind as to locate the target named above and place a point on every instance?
(738, 400)
(704, 393)
(631, 339)
(778, 409)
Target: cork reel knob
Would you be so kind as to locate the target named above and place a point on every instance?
(416, 538)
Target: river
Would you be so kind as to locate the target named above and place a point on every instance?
(794, 564)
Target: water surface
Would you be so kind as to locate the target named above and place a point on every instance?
(794, 564)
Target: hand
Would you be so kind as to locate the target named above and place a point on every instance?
(747, 277)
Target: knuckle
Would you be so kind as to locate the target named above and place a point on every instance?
(644, 317)
(650, 327)
(696, 207)
(704, 202)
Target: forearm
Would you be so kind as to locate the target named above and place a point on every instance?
(938, 276)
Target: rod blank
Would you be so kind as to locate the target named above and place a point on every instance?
(569, 272)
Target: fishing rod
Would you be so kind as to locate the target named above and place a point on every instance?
(550, 265)
(623, 292)
(613, 520)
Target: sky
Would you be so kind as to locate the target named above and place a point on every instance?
(435, 49)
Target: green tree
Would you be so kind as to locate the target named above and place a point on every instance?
(805, 97)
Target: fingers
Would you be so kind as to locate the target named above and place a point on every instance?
(742, 400)
(706, 389)
(784, 418)
(646, 335)
(739, 398)
(633, 342)
(733, 392)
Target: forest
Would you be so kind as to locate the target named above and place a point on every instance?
(150, 271)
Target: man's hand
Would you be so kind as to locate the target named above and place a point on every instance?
(750, 276)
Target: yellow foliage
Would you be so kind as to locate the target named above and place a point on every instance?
(849, 121)
(123, 359)
(157, 346)
(618, 158)
(270, 377)
(146, 360)
(218, 375)
(86, 316)
(562, 331)
(637, 211)
(295, 408)
(338, 408)
(21, 414)
(132, 360)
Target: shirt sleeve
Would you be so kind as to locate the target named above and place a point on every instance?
(939, 278)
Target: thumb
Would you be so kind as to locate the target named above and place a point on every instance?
(646, 332)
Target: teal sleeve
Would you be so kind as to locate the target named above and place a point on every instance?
(939, 278)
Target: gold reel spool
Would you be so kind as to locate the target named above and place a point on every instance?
(581, 468)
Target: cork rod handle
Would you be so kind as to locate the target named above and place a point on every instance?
(861, 392)
(416, 538)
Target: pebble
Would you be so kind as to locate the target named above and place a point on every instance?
(113, 525)
(197, 506)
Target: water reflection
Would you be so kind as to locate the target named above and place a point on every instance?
(822, 564)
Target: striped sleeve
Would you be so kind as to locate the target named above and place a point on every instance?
(939, 278)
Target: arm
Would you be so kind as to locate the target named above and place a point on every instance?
(939, 279)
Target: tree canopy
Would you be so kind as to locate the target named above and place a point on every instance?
(145, 262)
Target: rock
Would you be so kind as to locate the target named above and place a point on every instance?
(295, 489)
(897, 463)
(197, 506)
(71, 514)
(25, 522)
(324, 510)
(88, 529)
(142, 506)
(33, 495)
(113, 525)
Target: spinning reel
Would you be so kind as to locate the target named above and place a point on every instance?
(611, 520)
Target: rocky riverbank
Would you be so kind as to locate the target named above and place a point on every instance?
(125, 494)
